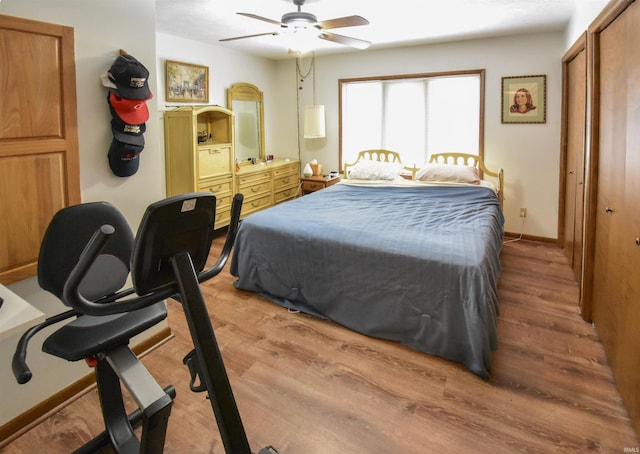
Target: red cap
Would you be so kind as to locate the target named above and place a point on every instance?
(131, 111)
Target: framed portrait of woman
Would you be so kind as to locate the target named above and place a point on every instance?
(524, 99)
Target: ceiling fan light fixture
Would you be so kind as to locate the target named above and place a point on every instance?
(300, 26)
(298, 19)
(301, 39)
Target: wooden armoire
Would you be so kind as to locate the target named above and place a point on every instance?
(612, 235)
(39, 165)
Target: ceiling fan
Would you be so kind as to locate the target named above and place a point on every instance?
(300, 20)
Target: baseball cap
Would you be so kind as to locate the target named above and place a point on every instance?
(131, 111)
(130, 76)
(124, 158)
(127, 133)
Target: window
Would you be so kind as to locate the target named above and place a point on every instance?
(415, 115)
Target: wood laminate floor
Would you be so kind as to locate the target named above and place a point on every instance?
(309, 386)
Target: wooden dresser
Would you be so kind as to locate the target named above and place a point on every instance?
(267, 184)
(199, 153)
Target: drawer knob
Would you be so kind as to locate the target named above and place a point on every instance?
(608, 210)
(637, 241)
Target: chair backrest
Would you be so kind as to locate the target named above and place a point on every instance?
(183, 223)
(66, 236)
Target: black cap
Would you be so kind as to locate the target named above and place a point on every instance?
(125, 132)
(130, 76)
(124, 158)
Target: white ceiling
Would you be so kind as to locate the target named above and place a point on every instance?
(391, 22)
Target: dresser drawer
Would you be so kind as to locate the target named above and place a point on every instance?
(249, 179)
(256, 204)
(312, 186)
(256, 189)
(286, 181)
(216, 186)
(214, 160)
(285, 194)
(223, 201)
(223, 217)
(287, 169)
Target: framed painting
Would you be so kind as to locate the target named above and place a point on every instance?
(524, 99)
(186, 82)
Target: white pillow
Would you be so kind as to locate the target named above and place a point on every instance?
(367, 169)
(448, 172)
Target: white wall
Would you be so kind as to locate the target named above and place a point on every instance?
(586, 12)
(529, 153)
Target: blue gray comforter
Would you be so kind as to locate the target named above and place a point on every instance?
(417, 265)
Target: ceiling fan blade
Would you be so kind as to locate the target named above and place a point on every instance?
(348, 21)
(249, 36)
(346, 40)
(265, 19)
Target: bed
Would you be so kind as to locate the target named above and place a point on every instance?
(410, 258)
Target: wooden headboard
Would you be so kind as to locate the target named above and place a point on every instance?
(471, 160)
(465, 159)
(379, 156)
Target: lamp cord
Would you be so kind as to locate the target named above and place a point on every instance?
(518, 238)
(300, 78)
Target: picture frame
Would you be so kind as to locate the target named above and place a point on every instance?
(524, 99)
(186, 82)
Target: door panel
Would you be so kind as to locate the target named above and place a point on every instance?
(616, 261)
(39, 171)
(575, 95)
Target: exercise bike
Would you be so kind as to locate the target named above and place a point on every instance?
(85, 258)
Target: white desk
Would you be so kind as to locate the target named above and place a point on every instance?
(16, 315)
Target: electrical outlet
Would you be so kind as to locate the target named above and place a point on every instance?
(523, 212)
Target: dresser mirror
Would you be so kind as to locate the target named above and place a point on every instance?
(246, 102)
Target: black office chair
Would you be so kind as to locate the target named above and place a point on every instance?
(84, 260)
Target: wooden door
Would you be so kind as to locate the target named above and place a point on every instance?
(574, 128)
(627, 367)
(39, 170)
(616, 256)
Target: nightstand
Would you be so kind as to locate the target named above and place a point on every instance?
(315, 183)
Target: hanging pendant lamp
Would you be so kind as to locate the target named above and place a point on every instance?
(314, 124)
